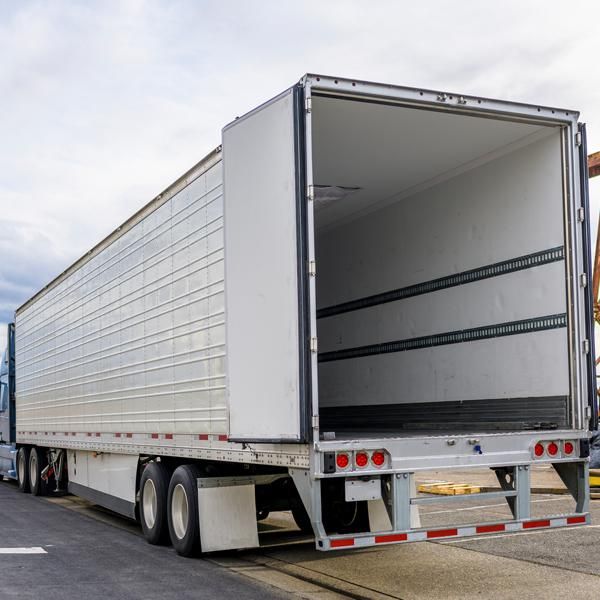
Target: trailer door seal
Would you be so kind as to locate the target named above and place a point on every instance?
(587, 291)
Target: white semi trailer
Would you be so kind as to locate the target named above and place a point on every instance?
(363, 282)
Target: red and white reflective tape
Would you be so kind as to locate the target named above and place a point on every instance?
(221, 437)
(203, 437)
(165, 436)
(336, 543)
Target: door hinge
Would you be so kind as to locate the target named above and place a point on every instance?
(315, 421)
(314, 346)
(588, 412)
(581, 214)
(310, 192)
(583, 278)
(312, 268)
(586, 346)
(308, 104)
(578, 138)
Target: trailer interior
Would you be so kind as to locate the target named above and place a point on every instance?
(441, 279)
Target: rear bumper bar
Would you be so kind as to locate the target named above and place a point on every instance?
(342, 542)
(393, 505)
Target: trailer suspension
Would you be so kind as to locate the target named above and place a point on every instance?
(55, 468)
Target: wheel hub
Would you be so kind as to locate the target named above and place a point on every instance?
(149, 503)
(179, 511)
(33, 469)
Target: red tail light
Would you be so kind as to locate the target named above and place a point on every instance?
(538, 450)
(342, 460)
(555, 449)
(378, 458)
(361, 459)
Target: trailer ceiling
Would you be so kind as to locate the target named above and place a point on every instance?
(390, 151)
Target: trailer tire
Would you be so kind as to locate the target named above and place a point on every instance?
(301, 518)
(37, 463)
(346, 517)
(154, 490)
(23, 469)
(182, 510)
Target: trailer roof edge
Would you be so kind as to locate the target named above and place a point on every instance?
(443, 99)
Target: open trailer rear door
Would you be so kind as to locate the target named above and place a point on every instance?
(265, 262)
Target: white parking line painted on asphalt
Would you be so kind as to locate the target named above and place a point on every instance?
(502, 535)
(480, 506)
(32, 550)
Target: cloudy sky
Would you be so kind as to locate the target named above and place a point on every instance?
(105, 103)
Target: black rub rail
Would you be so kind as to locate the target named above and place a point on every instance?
(452, 337)
(520, 263)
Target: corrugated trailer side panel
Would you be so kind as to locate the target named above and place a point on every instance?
(133, 340)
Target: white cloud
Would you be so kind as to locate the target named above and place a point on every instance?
(105, 103)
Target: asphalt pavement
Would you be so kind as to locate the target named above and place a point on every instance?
(90, 553)
(83, 558)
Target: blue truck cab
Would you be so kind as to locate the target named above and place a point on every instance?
(8, 449)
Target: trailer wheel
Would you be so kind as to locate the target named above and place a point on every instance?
(37, 463)
(182, 510)
(23, 469)
(154, 489)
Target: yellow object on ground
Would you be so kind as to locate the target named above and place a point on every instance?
(594, 478)
(448, 488)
